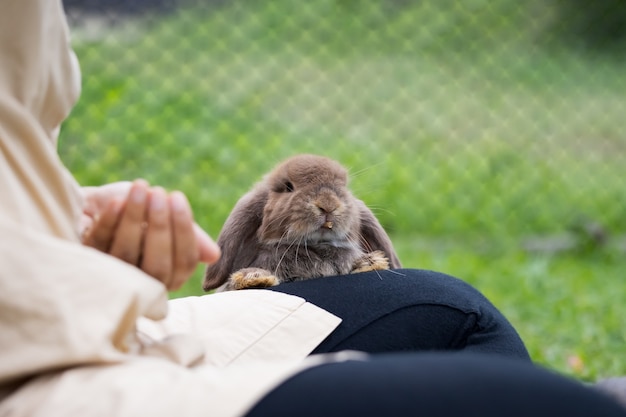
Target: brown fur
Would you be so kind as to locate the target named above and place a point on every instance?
(299, 222)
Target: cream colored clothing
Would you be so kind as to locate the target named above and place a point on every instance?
(81, 333)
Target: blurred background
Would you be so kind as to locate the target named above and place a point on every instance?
(488, 136)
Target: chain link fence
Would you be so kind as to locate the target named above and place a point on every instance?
(497, 122)
(488, 136)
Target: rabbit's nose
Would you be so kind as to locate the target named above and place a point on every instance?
(327, 205)
(328, 212)
(326, 209)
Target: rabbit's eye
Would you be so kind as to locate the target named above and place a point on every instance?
(283, 187)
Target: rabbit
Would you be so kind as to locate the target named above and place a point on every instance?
(299, 222)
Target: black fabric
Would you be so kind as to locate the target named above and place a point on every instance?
(480, 368)
(433, 385)
(408, 310)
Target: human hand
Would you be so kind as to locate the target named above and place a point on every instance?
(147, 227)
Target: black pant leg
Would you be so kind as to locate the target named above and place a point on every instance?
(388, 311)
(434, 385)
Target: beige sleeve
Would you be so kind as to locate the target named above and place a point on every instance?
(39, 83)
(61, 304)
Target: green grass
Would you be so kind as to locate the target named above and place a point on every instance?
(463, 135)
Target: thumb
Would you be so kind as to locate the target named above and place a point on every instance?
(209, 250)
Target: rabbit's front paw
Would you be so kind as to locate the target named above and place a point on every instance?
(373, 261)
(248, 278)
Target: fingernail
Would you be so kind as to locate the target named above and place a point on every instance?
(157, 200)
(138, 194)
(179, 201)
(116, 206)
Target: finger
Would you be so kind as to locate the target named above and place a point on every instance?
(209, 250)
(90, 207)
(186, 252)
(127, 242)
(158, 244)
(101, 233)
(98, 198)
(84, 225)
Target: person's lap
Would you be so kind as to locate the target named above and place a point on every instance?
(408, 310)
(465, 357)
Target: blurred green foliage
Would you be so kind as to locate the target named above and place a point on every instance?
(598, 25)
(487, 150)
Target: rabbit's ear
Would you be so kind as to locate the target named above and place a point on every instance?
(374, 237)
(238, 239)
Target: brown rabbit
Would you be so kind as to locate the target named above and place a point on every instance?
(299, 222)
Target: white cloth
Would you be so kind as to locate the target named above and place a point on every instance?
(81, 333)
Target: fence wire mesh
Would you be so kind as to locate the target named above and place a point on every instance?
(487, 136)
(471, 123)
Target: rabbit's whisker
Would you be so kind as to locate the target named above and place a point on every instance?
(306, 248)
(280, 242)
(280, 261)
(297, 250)
(363, 243)
(277, 247)
(395, 272)
(361, 171)
(276, 224)
(377, 210)
(355, 243)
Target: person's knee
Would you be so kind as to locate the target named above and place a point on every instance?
(379, 302)
(480, 325)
